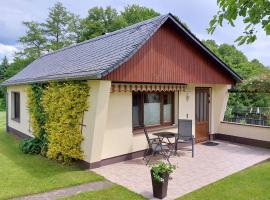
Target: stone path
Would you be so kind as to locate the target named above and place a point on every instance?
(65, 192)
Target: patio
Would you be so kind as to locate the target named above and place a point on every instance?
(210, 164)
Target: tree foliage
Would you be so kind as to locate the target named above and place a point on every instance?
(34, 41)
(57, 27)
(254, 91)
(103, 20)
(135, 13)
(100, 21)
(254, 13)
(3, 67)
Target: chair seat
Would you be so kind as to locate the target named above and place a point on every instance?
(184, 139)
(160, 148)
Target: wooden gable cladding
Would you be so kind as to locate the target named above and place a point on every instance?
(168, 57)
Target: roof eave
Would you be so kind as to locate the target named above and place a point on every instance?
(47, 79)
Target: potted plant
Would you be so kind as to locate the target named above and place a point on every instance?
(160, 176)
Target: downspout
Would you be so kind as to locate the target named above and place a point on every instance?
(178, 112)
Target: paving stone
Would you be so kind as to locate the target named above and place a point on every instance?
(209, 165)
(65, 192)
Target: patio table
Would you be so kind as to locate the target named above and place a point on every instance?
(166, 135)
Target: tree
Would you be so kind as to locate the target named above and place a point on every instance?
(100, 21)
(103, 20)
(135, 13)
(259, 83)
(253, 13)
(33, 41)
(253, 91)
(3, 67)
(236, 59)
(75, 28)
(57, 27)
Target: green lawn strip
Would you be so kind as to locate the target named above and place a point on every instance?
(252, 183)
(2, 120)
(22, 174)
(113, 193)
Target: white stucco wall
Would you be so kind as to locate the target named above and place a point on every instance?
(245, 131)
(119, 138)
(95, 119)
(22, 125)
(219, 101)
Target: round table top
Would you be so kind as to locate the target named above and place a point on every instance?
(165, 134)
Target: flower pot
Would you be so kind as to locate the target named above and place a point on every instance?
(160, 188)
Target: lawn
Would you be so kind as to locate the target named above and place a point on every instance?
(114, 193)
(250, 184)
(22, 174)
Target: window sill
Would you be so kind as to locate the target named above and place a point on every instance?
(16, 120)
(153, 129)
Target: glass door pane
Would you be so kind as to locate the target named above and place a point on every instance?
(136, 109)
(167, 108)
(152, 109)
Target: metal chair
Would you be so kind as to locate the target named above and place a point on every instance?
(156, 146)
(184, 135)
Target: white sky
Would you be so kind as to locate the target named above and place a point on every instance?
(196, 13)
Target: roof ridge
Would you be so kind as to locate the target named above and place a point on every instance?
(108, 34)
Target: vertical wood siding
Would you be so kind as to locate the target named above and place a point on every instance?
(168, 57)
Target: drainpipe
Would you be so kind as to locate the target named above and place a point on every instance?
(178, 112)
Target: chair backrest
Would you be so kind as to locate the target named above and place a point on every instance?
(147, 137)
(185, 128)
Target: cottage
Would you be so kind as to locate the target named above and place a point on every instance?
(150, 73)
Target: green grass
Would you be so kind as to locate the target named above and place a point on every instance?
(250, 184)
(22, 174)
(2, 121)
(113, 193)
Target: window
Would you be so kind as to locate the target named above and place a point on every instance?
(152, 109)
(15, 106)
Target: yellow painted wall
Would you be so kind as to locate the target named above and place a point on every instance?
(23, 124)
(246, 131)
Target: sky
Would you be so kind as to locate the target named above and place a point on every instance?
(195, 13)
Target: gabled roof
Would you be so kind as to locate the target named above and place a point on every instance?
(96, 57)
